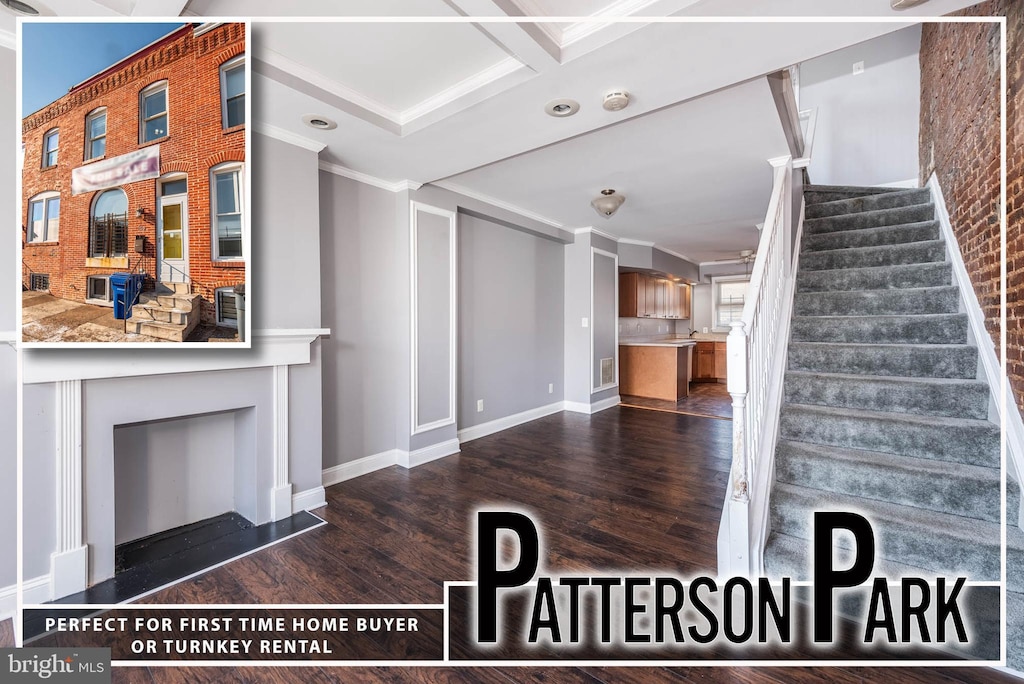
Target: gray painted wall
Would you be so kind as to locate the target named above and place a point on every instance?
(867, 126)
(365, 360)
(434, 316)
(511, 306)
(8, 464)
(701, 307)
(578, 287)
(285, 292)
(39, 446)
(605, 317)
(10, 251)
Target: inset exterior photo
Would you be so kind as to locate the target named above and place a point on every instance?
(134, 219)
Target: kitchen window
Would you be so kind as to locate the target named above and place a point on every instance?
(44, 217)
(728, 297)
(226, 182)
(96, 134)
(232, 92)
(50, 142)
(153, 112)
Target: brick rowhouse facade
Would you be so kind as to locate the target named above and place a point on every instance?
(960, 141)
(197, 139)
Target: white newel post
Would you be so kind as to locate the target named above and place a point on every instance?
(69, 564)
(281, 498)
(739, 475)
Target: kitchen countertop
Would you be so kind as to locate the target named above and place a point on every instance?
(668, 342)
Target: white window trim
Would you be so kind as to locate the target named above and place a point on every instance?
(224, 68)
(216, 301)
(715, 280)
(43, 197)
(149, 90)
(95, 114)
(238, 167)
(46, 137)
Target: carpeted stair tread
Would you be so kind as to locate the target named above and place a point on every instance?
(935, 274)
(922, 396)
(918, 300)
(881, 200)
(1012, 501)
(787, 556)
(963, 440)
(892, 329)
(1014, 558)
(914, 536)
(818, 194)
(1015, 630)
(921, 231)
(870, 219)
(927, 251)
(902, 360)
(922, 483)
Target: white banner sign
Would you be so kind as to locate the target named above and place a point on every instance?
(110, 173)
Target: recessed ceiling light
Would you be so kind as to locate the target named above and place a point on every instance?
(562, 107)
(321, 122)
(18, 6)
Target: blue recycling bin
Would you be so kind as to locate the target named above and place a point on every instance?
(126, 288)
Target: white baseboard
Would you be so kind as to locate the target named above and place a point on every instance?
(309, 499)
(36, 590)
(362, 466)
(433, 452)
(991, 370)
(596, 407)
(910, 183)
(493, 426)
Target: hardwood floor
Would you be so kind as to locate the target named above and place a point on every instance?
(623, 489)
(709, 399)
(7, 633)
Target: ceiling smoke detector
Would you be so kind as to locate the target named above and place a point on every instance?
(904, 4)
(320, 122)
(616, 100)
(20, 7)
(608, 203)
(562, 107)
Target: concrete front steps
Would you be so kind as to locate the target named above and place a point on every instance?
(883, 412)
(170, 312)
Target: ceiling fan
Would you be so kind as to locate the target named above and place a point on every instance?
(904, 4)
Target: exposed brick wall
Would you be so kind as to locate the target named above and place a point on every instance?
(960, 139)
(196, 141)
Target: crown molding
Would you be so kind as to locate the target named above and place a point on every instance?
(281, 134)
(501, 204)
(640, 243)
(596, 231)
(622, 8)
(367, 179)
(465, 87)
(677, 255)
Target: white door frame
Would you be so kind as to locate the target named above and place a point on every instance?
(171, 270)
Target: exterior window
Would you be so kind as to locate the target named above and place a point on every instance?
(50, 142)
(153, 112)
(96, 134)
(227, 314)
(232, 92)
(44, 217)
(108, 225)
(728, 300)
(98, 287)
(227, 211)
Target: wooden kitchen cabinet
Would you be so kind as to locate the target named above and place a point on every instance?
(720, 363)
(685, 293)
(632, 295)
(709, 363)
(643, 296)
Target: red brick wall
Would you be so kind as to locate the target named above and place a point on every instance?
(196, 141)
(960, 140)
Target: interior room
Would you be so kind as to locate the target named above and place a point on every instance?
(503, 264)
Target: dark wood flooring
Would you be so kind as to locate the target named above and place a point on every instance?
(710, 399)
(7, 633)
(623, 489)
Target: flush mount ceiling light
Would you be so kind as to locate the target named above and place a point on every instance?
(616, 100)
(608, 203)
(321, 122)
(904, 4)
(562, 107)
(18, 6)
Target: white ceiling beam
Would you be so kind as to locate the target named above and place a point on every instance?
(159, 8)
(530, 46)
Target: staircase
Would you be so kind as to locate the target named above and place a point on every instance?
(1014, 578)
(882, 412)
(170, 312)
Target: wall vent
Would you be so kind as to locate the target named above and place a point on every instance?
(607, 372)
(40, 282)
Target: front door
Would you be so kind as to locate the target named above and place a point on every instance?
(172, 239)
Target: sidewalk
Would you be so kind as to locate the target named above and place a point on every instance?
(48, 319)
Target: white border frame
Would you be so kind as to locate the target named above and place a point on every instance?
(594, 251)
(453, 318)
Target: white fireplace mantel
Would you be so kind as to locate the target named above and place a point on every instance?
(277, 347)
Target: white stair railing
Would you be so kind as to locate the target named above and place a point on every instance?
(756, 351)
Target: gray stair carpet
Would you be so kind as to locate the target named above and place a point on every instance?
(883, 413)
(1014, 578)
